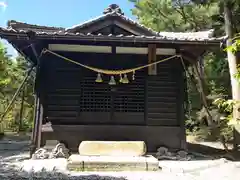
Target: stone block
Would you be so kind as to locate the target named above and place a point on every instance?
(112, 148)
(152, 163)
(75, 163)
(108, 163)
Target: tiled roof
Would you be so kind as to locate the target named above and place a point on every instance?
(25, 26)
(193, 37)
(190, 35)
(22, 29)
(111, 14)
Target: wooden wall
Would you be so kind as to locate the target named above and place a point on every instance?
(153, 136)
(71, 95)
(164, 95)
(149, 108)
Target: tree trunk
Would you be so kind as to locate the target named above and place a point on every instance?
(203, 95)
(233, 64)
(232, 59)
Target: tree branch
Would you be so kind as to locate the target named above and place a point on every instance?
(161, 13)
(181, 11)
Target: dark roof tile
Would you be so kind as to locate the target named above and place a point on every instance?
(21, 28)
(194, 36)
(25, 26)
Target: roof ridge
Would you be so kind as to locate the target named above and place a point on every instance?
(112, 10)
(113, 13)
(204, 34)
(14, 24)
(90, 21)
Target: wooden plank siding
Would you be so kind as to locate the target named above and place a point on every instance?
(71, 95)
(163, 92)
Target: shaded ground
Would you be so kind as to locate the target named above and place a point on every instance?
(212, 149)
(14, 152)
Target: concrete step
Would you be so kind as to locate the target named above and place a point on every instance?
(112, 148)
(112, 163)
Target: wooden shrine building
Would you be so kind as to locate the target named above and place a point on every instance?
(130, 100)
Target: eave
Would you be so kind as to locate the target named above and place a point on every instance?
(10, 35)
(195, 41)
(17, 25)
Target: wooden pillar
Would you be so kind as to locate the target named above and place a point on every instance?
(182, 85)
(152, 70)
(35, 125)
(39, 128)
(38, 114)
(21, 111)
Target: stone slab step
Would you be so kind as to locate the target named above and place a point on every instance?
(108, 163)
(112, 148)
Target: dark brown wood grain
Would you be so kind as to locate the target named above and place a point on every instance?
(154, 136)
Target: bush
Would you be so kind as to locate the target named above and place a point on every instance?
(198, 125)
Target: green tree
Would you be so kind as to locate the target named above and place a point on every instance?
(178, 15)
(194, 15)
(12, 72)
(233, 61)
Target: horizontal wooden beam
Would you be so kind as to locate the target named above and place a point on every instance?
(131, 50)
(79, 48)
(108, 49)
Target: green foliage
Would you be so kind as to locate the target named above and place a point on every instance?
(217, 77)
(195, 15)
(235, 47)
(227, 105)
(12, 72)
(164, 15)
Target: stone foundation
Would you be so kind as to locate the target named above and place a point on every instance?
(111, 163)
(153, 136)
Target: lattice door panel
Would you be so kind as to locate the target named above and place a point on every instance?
(130, 97)
(118, 104)
(95, 97)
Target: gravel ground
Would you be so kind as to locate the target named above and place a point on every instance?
(14, 164)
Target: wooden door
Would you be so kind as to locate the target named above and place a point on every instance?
(129, 102)
(95, 102)
(122, 104)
